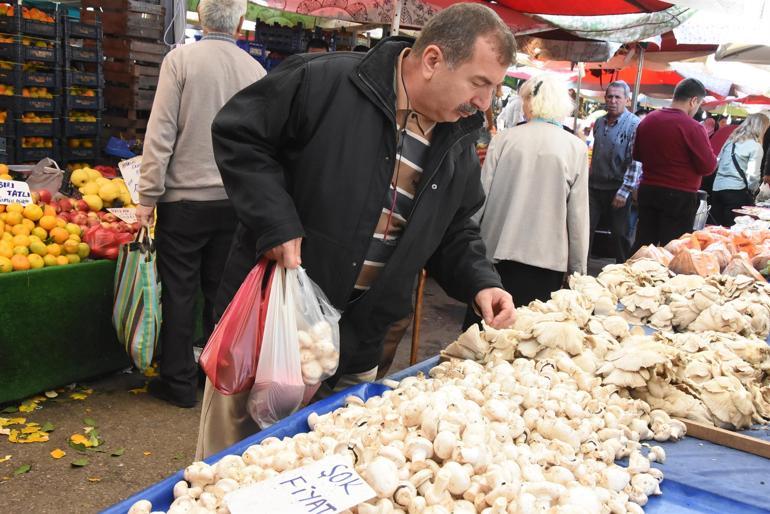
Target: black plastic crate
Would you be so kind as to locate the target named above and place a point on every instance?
(8, 103)
(7, 129)
(83, 103)
(81, 128)
(9, 76)
(84, 78)
(34, 53)
(35, 154)
(81, 154)
(7, 150)
(77, 29)
(83, 53)
(9, 51)
(40, 79)
(37, 129)
(28, 104)
(50, 30)
(10, 24)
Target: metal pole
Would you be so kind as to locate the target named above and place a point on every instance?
(638, 83)
(396, 23)
(577, 97)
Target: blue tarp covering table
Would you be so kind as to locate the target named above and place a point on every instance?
(699, 476)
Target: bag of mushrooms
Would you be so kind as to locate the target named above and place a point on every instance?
(300, 347)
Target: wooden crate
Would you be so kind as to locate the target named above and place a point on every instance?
(146, 6)
(126, 123)
(129, 98)
(128, 23)
(134, 50)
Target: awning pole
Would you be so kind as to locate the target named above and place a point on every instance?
(638, 83)
(577, 97)
(396, 24)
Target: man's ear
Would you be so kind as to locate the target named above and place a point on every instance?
(431, 59)
(240, 24)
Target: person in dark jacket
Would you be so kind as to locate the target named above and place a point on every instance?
(362, 168)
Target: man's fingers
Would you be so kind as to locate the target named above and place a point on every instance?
(485, 306)
(505, 312)
(298, 250)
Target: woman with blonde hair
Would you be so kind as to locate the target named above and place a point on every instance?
(738, 170)
(535, 220)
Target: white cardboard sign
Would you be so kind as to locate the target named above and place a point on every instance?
(127, 214)
(14, 191)
(129, 169)
(328, 486)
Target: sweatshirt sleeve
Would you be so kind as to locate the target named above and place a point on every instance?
(161, 134)
(702, 155)
(578, 218)
(248, 136)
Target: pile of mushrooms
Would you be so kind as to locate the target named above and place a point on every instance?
(502, 438)
(649, 295)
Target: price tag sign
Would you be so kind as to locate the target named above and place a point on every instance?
(129, 169)
(325, 487)
(127, 214)
(14, 191)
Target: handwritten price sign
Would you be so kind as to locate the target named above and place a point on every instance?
(129, 169)
(328, 486)
(14, 191)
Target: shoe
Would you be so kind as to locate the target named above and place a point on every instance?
(160, 390)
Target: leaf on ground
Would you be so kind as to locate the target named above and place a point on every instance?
(28, 407)
(79, 439)
(17, 437)
(17, 421)
(29, 430)
(51, 394)
(151, 371)
(118, 452)
(93, 438)
(138, 390)
(47, 427)
(78, 396)
(9, 410)
(94, 479)
(89, 422)
(22, 469)
(58, 454)
(77, 446)
(79, 463)
(147, 454)
(6, 458)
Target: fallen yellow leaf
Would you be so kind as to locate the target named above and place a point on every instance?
(3, 459)
(138, 390)
(38, 399)
(147, 454)
(75, 396)
(17, 437)
(15, 421)
(80, 439)
(151, 372)
(88, 391)
(27, 407)
(29, 429)
(94, 479)
(5, 431)
(87, 430)
(57, 453)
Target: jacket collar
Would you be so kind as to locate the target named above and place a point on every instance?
(376, 74)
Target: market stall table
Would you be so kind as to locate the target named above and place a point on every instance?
(699, 476)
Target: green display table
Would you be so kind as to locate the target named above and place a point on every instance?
(56, 328)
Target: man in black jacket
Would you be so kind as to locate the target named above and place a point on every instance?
(362, 168)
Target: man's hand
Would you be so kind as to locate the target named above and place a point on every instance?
(618, 202)
(496, 307)
(287, 254)
(145, 215)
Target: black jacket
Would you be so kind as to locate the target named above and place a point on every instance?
(308, 151)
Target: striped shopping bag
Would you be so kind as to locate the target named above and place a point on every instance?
(136, 312)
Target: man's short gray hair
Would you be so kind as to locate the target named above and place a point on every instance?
(621, 84)
(221, 15)
(455, 30)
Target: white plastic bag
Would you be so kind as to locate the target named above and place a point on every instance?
(318, 330)
(764, 193)
(278, 387)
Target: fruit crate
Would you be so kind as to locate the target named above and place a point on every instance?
(134, 50)
(130, 97)
(83, 103)
(40, 20)
(18, 77)
(24, 129)
(91, 54)
(9, 24)
(74, 28)
(81, 154)
(81, 128)
(7, 127)
(7, 150)
(129, 23)
(29, 104)
(39, 54)
(9, 50)
(83, 78)
(23, 155)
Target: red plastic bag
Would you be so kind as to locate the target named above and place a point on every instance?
(105, 242)
(231, 354)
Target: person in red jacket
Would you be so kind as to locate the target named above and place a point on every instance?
(675, 154)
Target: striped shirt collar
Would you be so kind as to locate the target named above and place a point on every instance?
(218, 36)
(402, 101)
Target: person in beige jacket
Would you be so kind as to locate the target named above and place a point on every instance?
(535, 221)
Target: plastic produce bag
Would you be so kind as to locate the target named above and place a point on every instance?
(741, 266)
(722, 253)
(317, 330)
(695, 262)
(231, 354)
(136, 311)
(105, 242)
(660, 255)
(278, 386)
(764, 193)
(687, 241)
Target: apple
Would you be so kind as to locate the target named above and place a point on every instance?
(80, 218)
(93, 221)
(65, 216)
(45, 196)
(109, 217)
(35, 196)
(135, 226)
(65, 205)
(123, 226)
(81, 205)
